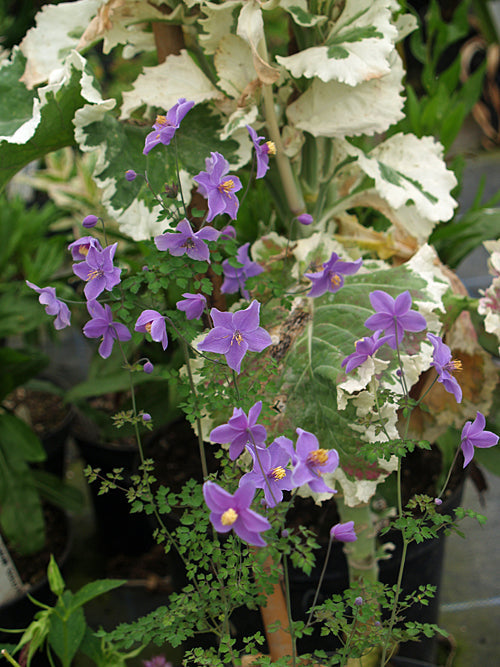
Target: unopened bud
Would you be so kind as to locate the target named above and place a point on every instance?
(148, 367)
(90, 221)
(130, 175)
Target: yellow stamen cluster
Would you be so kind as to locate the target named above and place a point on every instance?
(161, 120)
(227, 186)
(84, 250)
(229, 517)
(94, 274)
(278, 473)
(271, 147)
(148, 327)
(335, 279)
(237, 337)
(455, 365)
(318, 457)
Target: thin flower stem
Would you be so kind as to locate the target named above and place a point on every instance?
(347, 645)
(179, 177)
(256, 450)
(9, 658)
(392, 620)
(289, 609)
(449, 473)
(201, 444)
(235, 382)
(155, 195)
(320, 582)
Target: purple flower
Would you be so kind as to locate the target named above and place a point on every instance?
(241, 431)
(445, 366)
(153, 323)
(130, 175)
(305, 219)
(102, 325)
(165, 127)
(474, 435)
(53, 305)
(343, 532)
(146, 417)
(236, 333)
(157, 661)
(394, 316)
(193, 305)
(98, 271)
(270, 473)
(79, 249)
(366, 347)
(228, 232)
(184, 240)
(148, 367)
(218, 187)
(90, 221)
(331, 278)
(235, 278)
(233, 512)
(311, 462)
(262, 152)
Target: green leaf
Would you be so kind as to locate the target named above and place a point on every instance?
(94, 589)
(17, 439)
(21, 516)
(66, 633)
(51, 126)
(57, 492)
(16, 101)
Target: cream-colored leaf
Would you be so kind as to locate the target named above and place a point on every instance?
(161, 86)
(407, 169)
(217, 24)
(338, 110)
(57, 31)
(251, 29)
(359, 492)
(233, 62)
(358, 48)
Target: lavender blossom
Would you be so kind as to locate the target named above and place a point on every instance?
(53, 305)
(241, 431)
(445, 366)
(232, 512)
(185, 241)
(235, 277)
(331, 278)
(366, 347)
(153, 323)
(305, 218)
(394, 316)
(165, 127)
(102, 326)
(311, 462)
(236, 333)
(193, 305)
(98, 271)
(474, 435)
(218, 188)
(79, 249)
(270, 473)
(343, 532)
(90, 221)
(262, 152)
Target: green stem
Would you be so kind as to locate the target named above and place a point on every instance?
(289, 609)
(449, 473)
(395, 603)
(199, 433)
(320, 582)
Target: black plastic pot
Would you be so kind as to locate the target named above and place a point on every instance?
(118, 531)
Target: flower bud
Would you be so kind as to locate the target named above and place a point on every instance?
(146, 417)
(90, 221)
(148, 367)
(438, 501)
(130, 175)
(358, 601)
(171, 190)
(305, 219)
